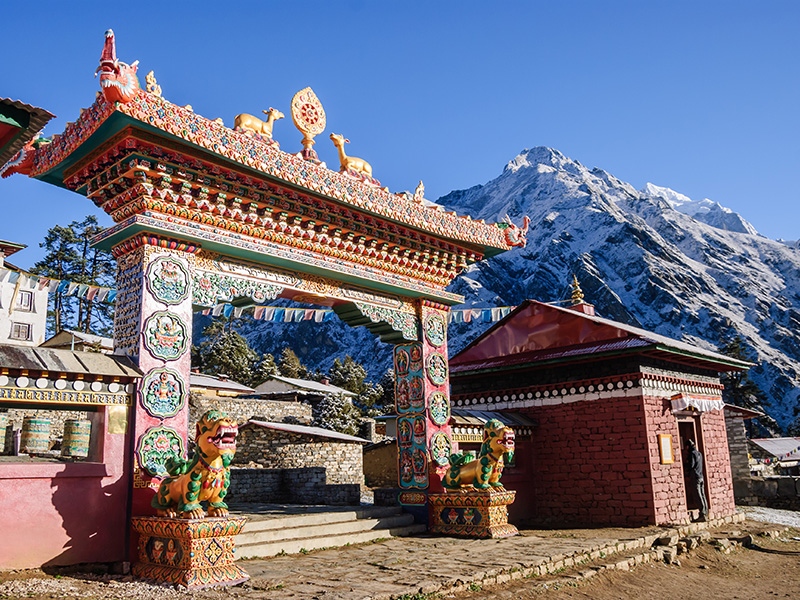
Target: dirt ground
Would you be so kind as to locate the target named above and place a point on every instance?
(768, 570)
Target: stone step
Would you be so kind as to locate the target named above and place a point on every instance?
(252, 535)
(301, 545)
(310, 516)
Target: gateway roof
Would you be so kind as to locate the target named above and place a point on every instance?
(536, 332)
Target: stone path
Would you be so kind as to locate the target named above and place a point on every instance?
(426, 564)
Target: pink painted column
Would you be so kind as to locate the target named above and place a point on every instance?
(153, 325)
(422, 401)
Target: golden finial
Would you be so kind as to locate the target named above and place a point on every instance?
(577, 293)
(419, 193)
(152, 84)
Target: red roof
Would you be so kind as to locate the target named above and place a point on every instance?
(536, 332)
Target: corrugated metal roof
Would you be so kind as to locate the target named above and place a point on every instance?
(304, 384)
(66, 361)
(204, 380)
(558, 333)
(306, 430)
(552, 354)
(787, 448)
(745, 413)
(65, 338)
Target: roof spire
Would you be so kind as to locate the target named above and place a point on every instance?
(577, 293)
(578, 304)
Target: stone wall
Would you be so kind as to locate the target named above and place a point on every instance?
(669, 494)
(773, 492)
(269, 448)
(380, 465)
(244, 409)
(291, 486)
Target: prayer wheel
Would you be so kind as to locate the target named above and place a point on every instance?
(77, 433)
(35, 436)
(3, 431)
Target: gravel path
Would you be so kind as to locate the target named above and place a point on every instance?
(790, 518)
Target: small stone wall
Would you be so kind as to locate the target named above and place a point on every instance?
(773, 492)
(342, 461)
(380, 465)
(291, 486)
(244, 409)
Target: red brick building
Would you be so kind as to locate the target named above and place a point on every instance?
(613, 408)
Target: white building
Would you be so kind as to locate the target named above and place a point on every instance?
(23, 306)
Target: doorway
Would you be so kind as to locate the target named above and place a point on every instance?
(689, 429)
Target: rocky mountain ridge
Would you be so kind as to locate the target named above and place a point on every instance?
(690, 270)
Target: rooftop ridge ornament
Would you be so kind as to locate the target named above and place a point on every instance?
(117, 79)
(353, 166)
(152, 84)
(515, 236)
(577, 292)
(253, 126)
(309, 117)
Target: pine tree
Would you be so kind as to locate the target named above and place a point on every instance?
(265, 369)
(225, 352)
(71, 257)
(348, 375)
(387, 399)
(351, 376)
(290, 366)
(742, 391)
(336, 413)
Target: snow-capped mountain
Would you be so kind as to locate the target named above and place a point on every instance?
(705, 210)
(691, 270)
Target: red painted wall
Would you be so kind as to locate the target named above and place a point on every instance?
(719, 480)
(669, 493)
(591, 464)
(66, 513)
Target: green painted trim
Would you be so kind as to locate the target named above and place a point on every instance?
(267, 260)
(15, 117)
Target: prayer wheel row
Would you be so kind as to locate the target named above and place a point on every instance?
(36, 437)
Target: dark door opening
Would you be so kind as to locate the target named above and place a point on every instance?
(688, 429)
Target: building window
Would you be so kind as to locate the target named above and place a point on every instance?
(21, 331)
(24, 300)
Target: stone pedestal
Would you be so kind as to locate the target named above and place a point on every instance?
(474, 514)
(195, 553)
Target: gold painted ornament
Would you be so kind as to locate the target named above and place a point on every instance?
(309, 117)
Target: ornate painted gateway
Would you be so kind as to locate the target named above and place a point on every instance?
(204, 213)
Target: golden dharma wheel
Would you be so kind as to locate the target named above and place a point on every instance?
(307, 113)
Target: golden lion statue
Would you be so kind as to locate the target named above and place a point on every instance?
(205, 477)
(484, 471)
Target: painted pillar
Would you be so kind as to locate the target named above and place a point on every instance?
(153, 326)
(422, 401)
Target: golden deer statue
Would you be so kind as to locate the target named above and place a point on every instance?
(350, 163)
(250, 124)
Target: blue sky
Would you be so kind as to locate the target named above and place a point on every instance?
(698, 96)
